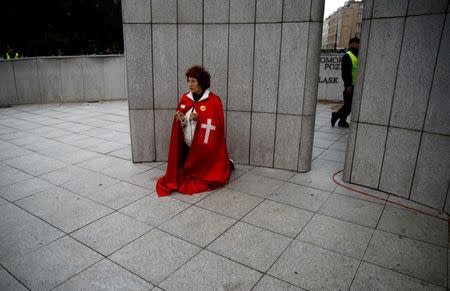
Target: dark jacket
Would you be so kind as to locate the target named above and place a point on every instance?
(346, 70)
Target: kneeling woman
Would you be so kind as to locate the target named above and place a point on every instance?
(198, 157)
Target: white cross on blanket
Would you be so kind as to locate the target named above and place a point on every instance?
(208, 127)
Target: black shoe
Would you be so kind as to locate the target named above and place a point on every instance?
(334, 118)
(343, 123)
(231, 164)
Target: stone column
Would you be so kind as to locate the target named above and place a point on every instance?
(263, 56)
(137, 36)
(399, 138)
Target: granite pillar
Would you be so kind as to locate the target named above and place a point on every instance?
(399, 138)
(263, 57)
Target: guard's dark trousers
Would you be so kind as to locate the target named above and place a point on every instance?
(345, 110)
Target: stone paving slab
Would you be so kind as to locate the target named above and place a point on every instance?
(147, 179)
(105, 275)
(414, 225)
(35, 164)
(300, 196)
(410, 257)
(269, 283)
(320, 175)
(250, 245)
(119, 195)
(372, 277)
(111, 233)
(70, 156)
(65, 175)
(123, 153)
(3, 201)
(255, 185)
(63, 209)
(90, 184)
(99, 163)
(24, 189)
(277, 174)
(210, 271)
(314, 268)
(353, 210)
(155, 255)
(197, 225)
(153, 210)
(11, 175)
(343, 237)
(12, 151)
(279, 218)
(52, 264)
(230, 203)
(22, 232)
(269, 229)
(347, 192)
(192, 199)
(8, 282)
(394, 200)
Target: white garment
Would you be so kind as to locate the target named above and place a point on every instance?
(189, 125)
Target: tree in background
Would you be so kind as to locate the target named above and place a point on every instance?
(66, 27)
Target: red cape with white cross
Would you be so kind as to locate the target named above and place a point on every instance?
(207, 166)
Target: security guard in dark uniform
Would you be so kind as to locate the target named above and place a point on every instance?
(349, 67)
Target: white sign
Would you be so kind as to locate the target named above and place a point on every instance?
(330, 81)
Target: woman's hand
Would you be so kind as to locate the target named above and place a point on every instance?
(194, 116)
(180, 116)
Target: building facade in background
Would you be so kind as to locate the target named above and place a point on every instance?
(342, 25)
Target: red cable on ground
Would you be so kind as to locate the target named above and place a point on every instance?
(392, 202)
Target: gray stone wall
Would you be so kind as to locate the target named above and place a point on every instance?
(62, 79)
(263, 56)
(400, 132)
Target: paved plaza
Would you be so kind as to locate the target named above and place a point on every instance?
(77, 214)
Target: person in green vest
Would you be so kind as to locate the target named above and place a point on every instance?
(349, 66)
(11, 54)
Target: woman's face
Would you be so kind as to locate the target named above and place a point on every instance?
(194, 86)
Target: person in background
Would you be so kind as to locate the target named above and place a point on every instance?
(11, 54)
(349, 66)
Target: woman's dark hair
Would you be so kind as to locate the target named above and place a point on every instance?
(202, 76)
